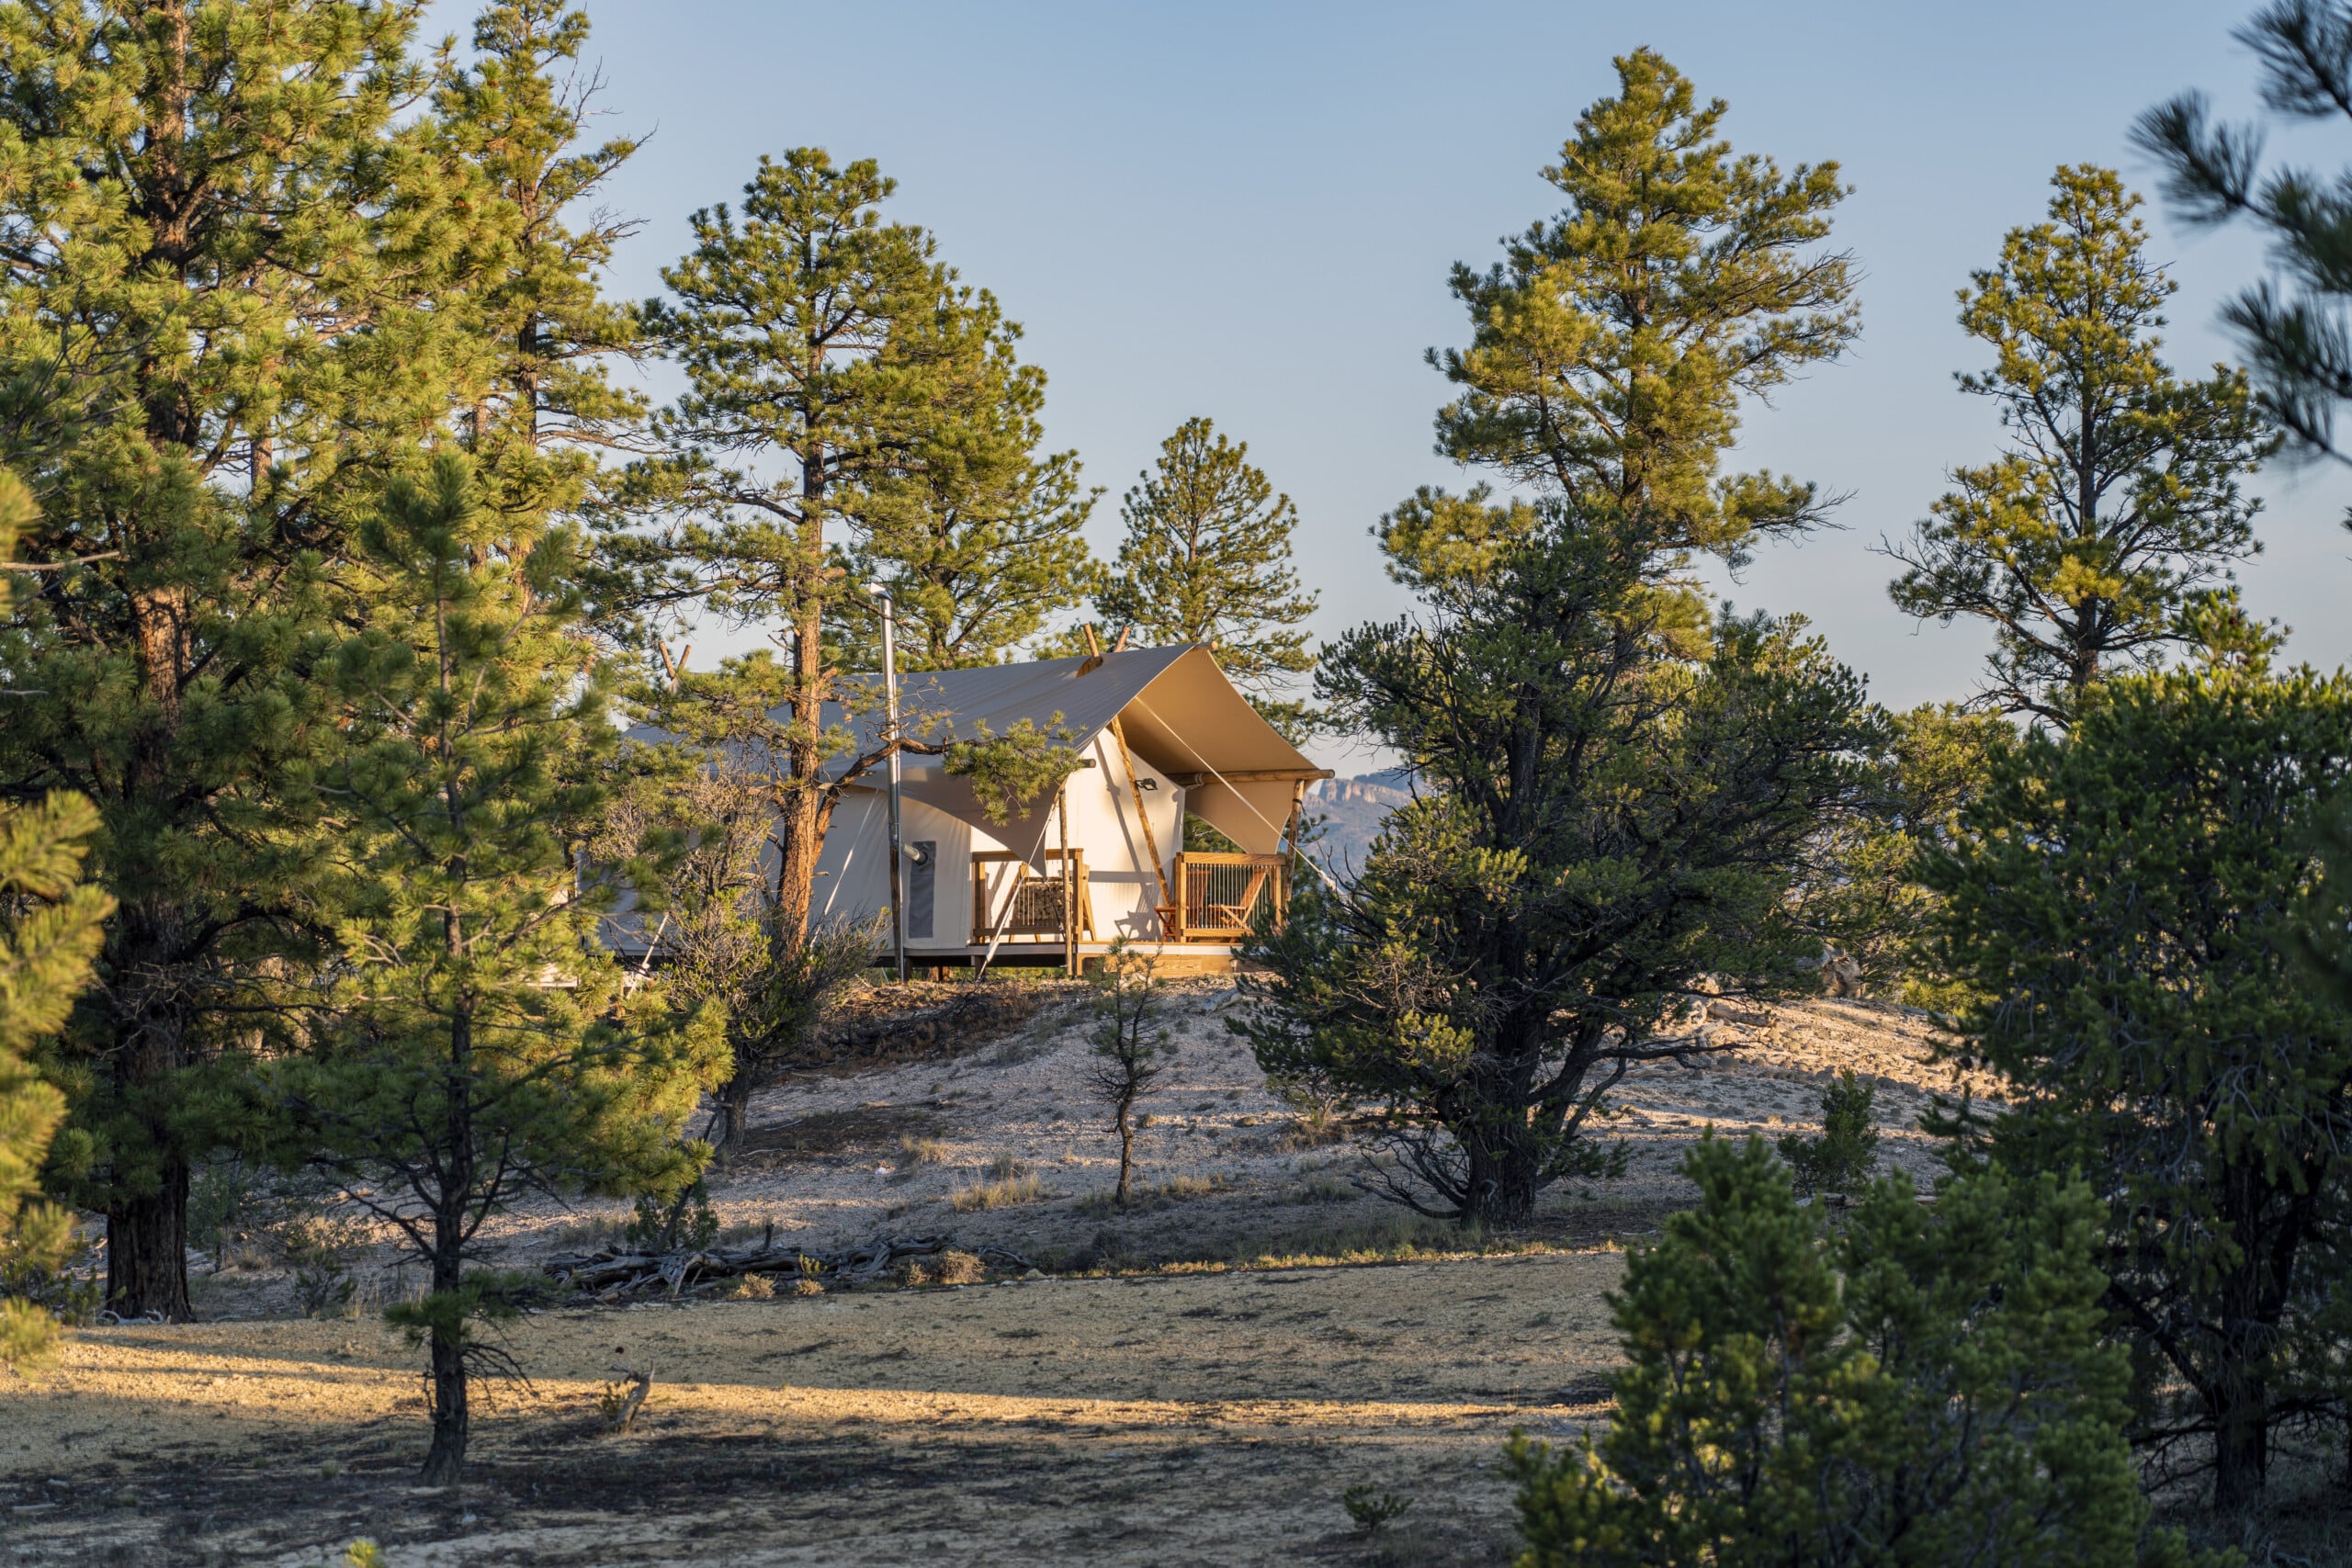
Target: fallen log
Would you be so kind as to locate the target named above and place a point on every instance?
(613, 1272)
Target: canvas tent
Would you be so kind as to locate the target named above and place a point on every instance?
(1163, 734)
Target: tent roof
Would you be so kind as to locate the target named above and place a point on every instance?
(1179, 710)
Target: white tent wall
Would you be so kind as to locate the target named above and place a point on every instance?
(1104, 823)
(854, 872)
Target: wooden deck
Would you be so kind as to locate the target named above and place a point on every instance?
(1217, 899)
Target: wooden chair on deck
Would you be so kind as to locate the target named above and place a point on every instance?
(1235, 915)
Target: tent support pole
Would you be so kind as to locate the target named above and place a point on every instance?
(1069, 888)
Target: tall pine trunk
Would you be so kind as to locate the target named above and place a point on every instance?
(2240, 1443)
(147, 1230)
(445, 1462)
(1503, 1180)
(147, 1227)
(147, 1249)
(1504, 1153)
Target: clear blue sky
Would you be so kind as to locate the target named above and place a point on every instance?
(1248, 211)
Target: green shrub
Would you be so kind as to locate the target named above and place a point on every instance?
(2124, 915)
(1841, 1158)
(1372, 1509)
(1925, 1387)
(686, 1223)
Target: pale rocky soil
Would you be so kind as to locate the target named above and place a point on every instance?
(1204, 1403)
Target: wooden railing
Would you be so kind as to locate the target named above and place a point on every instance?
(1220, 897)
(1011, 900)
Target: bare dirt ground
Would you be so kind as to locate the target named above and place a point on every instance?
(1201, 1384)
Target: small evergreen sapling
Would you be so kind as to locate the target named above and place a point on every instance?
(1372, 1509)
(1838, 1160)
(1129, 1055)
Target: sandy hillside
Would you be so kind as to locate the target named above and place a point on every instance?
(1169, 1408)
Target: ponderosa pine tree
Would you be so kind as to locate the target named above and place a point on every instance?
(976, 532)
(46, 950)
(2294, 328)
(1617, 799)
(2125, 909)
(1206, 559)
(1604, 821)
(1611, 347)
(227, 238)
(2103, 538)
(820, 352)
(794, 327)
(482, 1043)
(549, 403)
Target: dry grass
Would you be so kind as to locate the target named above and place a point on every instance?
(851, 1130)
(1320, 1188)
(1146, 1198)
(914, 1152)
(1005, 1183)
(950, 1267)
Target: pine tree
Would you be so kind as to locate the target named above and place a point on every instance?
(2103, 537)
(977, 534)
(2293, 328)
(823, 349)
(792, 325)
(46, 950)
(549, 402)
(2124, 913)
(481, 1046)
(1604, 820)
(1617, 797)
(1206, 559)
(216, 340)
(45, 958)
(1611, 347)
(1927, 1387)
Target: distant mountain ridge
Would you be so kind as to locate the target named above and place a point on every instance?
(1352, 811)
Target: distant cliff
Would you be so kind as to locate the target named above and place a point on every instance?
(1352, 811)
